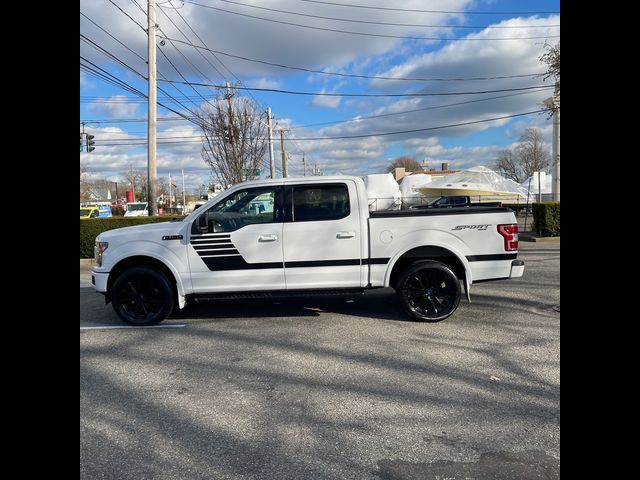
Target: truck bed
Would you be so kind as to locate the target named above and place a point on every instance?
(468, 233)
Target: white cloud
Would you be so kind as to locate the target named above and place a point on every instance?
(263, 83)
(325, 101)
(115, 107)
(85, 82)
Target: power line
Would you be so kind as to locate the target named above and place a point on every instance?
(206, 48)
(403, 112)
(364, 33)
(178, 50)
(329, 94)
(184, 78)
(349, 120)
(430, 11)
(110, 55)
(130, 17)
(196, 69)
(197, 36)
(349, 75)
(369, 22)
(105, 31)
(102, 74)
(423, 129)
(345, 137)
(139, 74)
(134, 120)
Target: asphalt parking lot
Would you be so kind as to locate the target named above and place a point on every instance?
(336, 388)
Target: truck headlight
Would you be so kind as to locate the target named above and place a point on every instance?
(99, 251)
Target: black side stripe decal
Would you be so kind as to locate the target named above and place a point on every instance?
(203, 242)
(236, 263)
(211, 235)
(487, 258)
(220, 262)
(198, 248)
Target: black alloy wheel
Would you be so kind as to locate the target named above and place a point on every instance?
(429, 291)
(143, 296)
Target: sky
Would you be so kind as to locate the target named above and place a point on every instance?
(356, 83)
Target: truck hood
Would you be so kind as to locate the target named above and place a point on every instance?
(150, 231)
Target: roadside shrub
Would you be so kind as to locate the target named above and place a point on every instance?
(546, 218)
(90, 229)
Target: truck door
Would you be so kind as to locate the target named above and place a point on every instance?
(322, 237)
(236, 244)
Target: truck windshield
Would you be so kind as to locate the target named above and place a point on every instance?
(84, 212)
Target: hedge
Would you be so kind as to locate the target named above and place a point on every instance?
(91, 228)
(546, 217)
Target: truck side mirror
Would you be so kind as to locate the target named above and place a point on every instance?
(202, 223)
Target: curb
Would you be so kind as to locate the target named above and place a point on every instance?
(86, 261)
(529, 238)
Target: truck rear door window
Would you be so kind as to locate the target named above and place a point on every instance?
(320, 202)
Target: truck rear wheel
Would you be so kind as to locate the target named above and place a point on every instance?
(429, 291)
(142, 296)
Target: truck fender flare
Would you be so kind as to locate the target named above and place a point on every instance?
(455, 252)
(167, 263)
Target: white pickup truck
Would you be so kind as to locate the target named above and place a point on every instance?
(296, 235)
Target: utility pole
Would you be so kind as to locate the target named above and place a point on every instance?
(272, 160)
(304, 164)
(133, 182)
(170, 180)
(553, 103)
(284, 156)
(556, 146)
(151, 134)
(184, 200)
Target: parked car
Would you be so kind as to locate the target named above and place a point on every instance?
(95, 211)
(88, 212)
(137, 209)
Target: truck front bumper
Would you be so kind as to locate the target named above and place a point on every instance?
(99, 281)
(517, 268)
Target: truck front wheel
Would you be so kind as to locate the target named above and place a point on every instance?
(429, 291)
(142, 296)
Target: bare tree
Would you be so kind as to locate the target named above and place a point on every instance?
(530, 155)
(552, 58)
(136, 182)
(508, 166)
(532, 152)
(235, 137)
(85, 188)
(410, 164)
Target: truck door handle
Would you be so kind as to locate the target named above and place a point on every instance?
(346, 234)
(267, 238)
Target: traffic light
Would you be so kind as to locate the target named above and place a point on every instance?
(81, 142)
(90, 143)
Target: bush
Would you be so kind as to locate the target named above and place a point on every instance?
(546, 217)
(90, 229)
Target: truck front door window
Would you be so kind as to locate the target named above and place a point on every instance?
(246, 207)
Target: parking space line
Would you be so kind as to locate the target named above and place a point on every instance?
(113, 327)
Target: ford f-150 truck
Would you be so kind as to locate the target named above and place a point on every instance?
(296, 235)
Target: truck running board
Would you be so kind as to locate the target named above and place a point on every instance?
(212, 297)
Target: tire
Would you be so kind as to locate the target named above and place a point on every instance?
(143, 296)
(429, 291)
